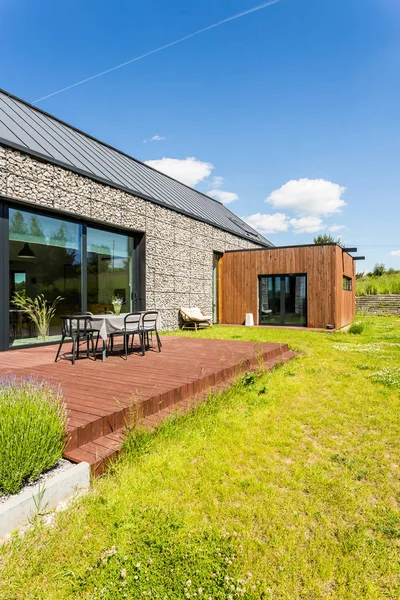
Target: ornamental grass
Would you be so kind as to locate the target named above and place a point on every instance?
(33, 424)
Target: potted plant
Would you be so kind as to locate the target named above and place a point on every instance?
(39, 310)
(117, 304)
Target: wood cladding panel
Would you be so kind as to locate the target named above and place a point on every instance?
(345, 300)
(327, 302)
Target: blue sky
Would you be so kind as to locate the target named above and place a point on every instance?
(297, 103)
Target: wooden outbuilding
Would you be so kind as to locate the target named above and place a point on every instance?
(310, 286)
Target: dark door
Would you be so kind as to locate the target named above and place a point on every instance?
(216, 259)
(283, 300)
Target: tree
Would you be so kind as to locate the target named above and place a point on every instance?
(326, 238)
(35, 229)
(18, 223)
(379, 270)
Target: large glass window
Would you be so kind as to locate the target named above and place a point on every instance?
(50, 257)
(44, 258)
(109, 270)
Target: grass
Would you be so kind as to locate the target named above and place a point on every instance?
(286, 487)
(32, 431)
(388, 283)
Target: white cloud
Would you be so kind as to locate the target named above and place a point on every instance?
(216, 182)
(308, 197)
(224, 197)
(335, 227)
(307, 225)
(187, 170)
(395, 253)
(276, 223)
(155, 138)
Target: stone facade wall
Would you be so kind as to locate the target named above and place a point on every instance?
(179, 262)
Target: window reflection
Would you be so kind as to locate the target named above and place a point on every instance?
(45, 258)
(108, 269)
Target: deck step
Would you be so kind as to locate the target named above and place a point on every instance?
(101, 452)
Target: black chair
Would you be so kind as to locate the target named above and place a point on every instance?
(148, 326)
(131, 328)
(132, 319)
(78, 328)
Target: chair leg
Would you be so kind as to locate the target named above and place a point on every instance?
(93, 348)
(142, 342)
(158, 341)
(126, 341)
(73, 350)
(59, 347)
(87, 345)
(77, 347)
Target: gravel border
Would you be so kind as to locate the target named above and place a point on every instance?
(62, 465)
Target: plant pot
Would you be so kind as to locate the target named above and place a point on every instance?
(42, 335)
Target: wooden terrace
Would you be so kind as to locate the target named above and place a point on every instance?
(103, 396)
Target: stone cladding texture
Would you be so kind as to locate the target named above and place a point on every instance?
(179, 249)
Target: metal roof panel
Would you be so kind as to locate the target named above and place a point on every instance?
(36, 132)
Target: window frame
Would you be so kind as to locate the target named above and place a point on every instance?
(347, 283)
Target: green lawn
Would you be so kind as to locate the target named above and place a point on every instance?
(285, 487)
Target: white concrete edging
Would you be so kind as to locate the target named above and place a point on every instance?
(16, 511)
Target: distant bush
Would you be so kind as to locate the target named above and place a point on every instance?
(356, 328)
(379, 270)
(33, 423)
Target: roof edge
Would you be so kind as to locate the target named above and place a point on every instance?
(293, 246)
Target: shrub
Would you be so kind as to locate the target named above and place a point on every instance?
(33, 422)
(356, 328)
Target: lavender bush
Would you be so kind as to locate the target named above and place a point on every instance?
(33, 424)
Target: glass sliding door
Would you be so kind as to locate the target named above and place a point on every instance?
(109, 270)
(283, 300)
(44, 253)
(270, 300)
(295, 300)
(44, 258)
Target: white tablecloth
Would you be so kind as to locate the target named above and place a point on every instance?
(106, 324)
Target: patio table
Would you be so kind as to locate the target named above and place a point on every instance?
(106, 324)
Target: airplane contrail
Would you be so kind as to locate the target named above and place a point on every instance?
(182, 39)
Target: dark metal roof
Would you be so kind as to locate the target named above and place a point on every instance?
(33, 131)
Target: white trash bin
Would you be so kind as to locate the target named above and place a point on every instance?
(249, 322)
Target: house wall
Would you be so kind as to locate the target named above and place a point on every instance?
(179, 249)
(345, 300)
(327, 302)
